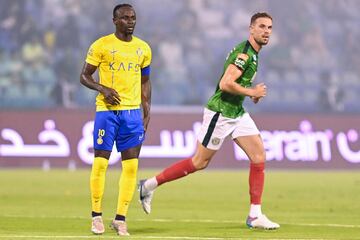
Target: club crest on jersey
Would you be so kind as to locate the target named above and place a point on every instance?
(139, 52)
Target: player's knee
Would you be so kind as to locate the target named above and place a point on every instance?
(130, 166)
(258, 158)
(201, 163)
(103, 154)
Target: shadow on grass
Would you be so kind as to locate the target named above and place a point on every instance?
(147, 230)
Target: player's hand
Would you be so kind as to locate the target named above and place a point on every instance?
(256, 99)
(111, 96)
(259, 91)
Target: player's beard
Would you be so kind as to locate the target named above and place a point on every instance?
(130, 31)
(261, 41)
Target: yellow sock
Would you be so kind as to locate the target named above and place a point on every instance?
(97, 182)
(127, 185)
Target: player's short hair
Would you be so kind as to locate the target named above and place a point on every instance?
(259, 15)
(117, 7)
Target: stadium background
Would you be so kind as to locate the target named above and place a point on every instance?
(310, 67)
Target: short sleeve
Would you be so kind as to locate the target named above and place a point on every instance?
(241, 61)
(94, 55)
(147, 56)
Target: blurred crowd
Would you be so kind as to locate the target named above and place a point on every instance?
(311, 64)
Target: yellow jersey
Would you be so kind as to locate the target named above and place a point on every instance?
(119, 64)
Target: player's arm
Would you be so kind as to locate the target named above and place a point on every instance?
(86, 79)
(146, 94)
(232, 73)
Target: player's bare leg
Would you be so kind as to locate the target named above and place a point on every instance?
(254, 149)
(202, 157)
(180, 169)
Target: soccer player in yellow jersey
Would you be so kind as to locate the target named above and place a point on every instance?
(123, 61)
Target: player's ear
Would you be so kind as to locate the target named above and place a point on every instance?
(251, 28)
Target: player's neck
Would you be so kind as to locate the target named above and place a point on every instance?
(254, 44)
(123, 36)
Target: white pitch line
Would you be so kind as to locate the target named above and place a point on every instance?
(233, 221)
(194, 221)
(117, 237)
(145, 237)
(324, 225)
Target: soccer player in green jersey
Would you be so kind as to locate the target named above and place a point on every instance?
(123, 61)
(224, 115)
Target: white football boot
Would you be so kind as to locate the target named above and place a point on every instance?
(145, 196)
(261, 222)
(97, 225)
(120, 227)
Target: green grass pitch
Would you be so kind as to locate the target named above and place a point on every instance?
(209, 205)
